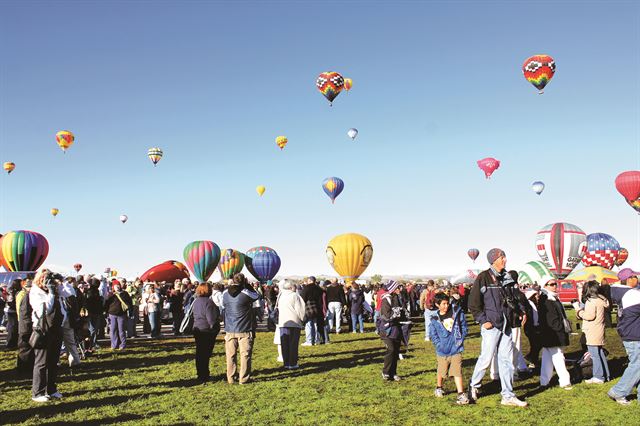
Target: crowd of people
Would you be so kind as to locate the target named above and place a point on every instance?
(47, 315)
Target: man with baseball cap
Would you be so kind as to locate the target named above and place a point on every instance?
(629, 331)
(492, 304)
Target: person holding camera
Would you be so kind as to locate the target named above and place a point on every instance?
(555, 329)
(117, 307)
(46, 338)
(494, 306)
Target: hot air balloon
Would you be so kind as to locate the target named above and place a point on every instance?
(333, 186)
(8, 167)
(352, 133)
(597, 273)
(23, 250)
(154, 154)
(623, 254)
(466, 277)
(260, 190)
(54, 212)
(537, 187)
(561, 246)
(534, 272)
(114, 273)
(262, 262)
(282, 141)
(348, 84)
(539, 70)
(168, 271)
(628, 185)
(473, 253)
(635, 204)
(349, 255)
(77, 267)
(488, 166)
(202, 257)
(602, 250)
(124, 218)
(231, 262)
(330, 84)
(65, 139)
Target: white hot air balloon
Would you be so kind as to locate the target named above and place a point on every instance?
(123, 218)
(352, 133)
(537, 187)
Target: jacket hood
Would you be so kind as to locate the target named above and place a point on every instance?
(233, 290)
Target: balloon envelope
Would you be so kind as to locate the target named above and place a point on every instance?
(65, 139)
(202, 257)
(124, 218)
(628, 184)
(168, 271)
(488, 166)
(332, 186)
(534, 272)
(231, 262)
(330, 84)
(597, 273)
(54, 212)
(260, 190)
(466, 277)
(602, 250)
(348, 84)
(561, 246)
(262, 262)
(539, 70)
(23, 250)
(154, 154)
(537, 187)
(77, 267)
(281, 141)
(352, 133)
(473, 253)
(349, 255)
(8, 167)
(623, 255)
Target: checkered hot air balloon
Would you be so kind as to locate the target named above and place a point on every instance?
(539, 70)
(623, 254)
(332, 186)
(602, 250)
(330, 84)
(561, 246)
(154, 154)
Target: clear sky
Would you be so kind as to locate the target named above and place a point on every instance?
(437, 86)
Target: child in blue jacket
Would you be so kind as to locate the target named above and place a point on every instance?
(447, 331)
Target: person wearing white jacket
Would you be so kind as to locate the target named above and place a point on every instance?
(291, 309)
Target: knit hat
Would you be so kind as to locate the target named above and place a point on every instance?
(494, 254)
(391, 286)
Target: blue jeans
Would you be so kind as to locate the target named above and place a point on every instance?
(427, 319)
(154, 320)
(600, 365)
(492, 339)
(355, 320)
(310, 332)
(631, 376)
(117, 331)
(94, 326)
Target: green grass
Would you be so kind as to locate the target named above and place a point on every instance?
(340, 383)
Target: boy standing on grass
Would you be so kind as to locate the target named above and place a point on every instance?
(447, 330)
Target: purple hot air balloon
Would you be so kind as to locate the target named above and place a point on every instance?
(473, 253)
(332, 186)
(262, 262)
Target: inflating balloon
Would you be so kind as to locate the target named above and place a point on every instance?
(8, 167)
(352, 133)
(597, 273)
(348, 84)
(260, 190)
(561, 247)
(231, 262)
(539, 70)
(349, 255)
(124, 218)
(262, 262)
(168, 271)
(154, 154)
(282, 141)
(534, 272)
(537, 187)
(623, 255)
(602, 250)
(77, 267)
(202, 257)
(473, 253)
(628, 185)
(332, 186)
(23, 250)
(65, 139)
(466, 277)
(330, 84)
(54, 212)
(488, 166)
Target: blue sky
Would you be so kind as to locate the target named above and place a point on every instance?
(437, 86)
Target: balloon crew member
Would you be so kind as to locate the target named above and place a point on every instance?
(391, 315)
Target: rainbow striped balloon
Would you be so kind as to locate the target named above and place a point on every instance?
(330, 84)
(539, 70)
(23, 250)
(201, 258)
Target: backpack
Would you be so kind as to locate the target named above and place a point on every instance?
(187, 322)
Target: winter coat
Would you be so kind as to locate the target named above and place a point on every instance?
(335, 293)
(448, 343)
(206, 315)
(291, 309)
(312, 296)
(93, 302)
(486, 301)
(551, 314)
(629, 322)
(356, 297)
(24, 312)
(238, 309)
(592, 318)
(113, 306)
(391, 313)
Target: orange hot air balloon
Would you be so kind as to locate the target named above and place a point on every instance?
(348, 84)
(282, 141)
(9, 166)
(65, 139)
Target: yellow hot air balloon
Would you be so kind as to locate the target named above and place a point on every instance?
(65, 139)
(281, 141)
(260, 190)
(349, 255)
(348, 84)
(9, 166)
(54, 212)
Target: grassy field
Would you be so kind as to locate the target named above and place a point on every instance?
(151, 383)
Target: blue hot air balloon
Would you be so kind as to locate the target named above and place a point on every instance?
(262, 262)
(333, 186)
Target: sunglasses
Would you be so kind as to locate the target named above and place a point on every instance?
(553, 284)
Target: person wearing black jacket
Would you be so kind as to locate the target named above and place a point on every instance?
(532, 326)
(12, 314)
(25, 326)
(391, 314)
(335, 302)
(206, 326)
(555, 335)
(314, 326)
(356, 297)
(117, 307)
(93, 304)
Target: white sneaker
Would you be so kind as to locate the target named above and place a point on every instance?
(400, 356)
(594, 381)
(567, 388)
(56, 395)
(307, 344)
(280, 359)
(513, 402)
(42, 398)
